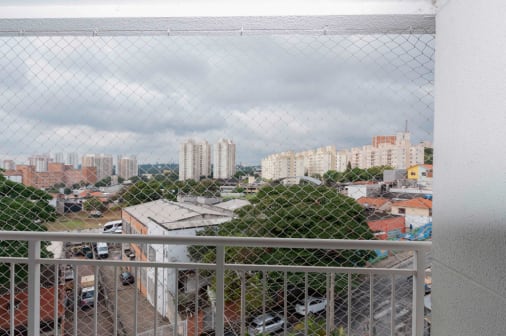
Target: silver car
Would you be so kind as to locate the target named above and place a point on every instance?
(314, 305)
(266, 324)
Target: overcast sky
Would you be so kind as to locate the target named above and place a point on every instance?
(145, 95)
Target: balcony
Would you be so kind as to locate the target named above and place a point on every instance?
(468, 244)
(359, 300)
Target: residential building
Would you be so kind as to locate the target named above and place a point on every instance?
(385, 226)
(307, 163)
(376, 203)
(224, 159)
(103, 163)
(418, 211)
(72, 159)
(168, 218)
(386, 150)
(59, 157)
(421, 174)
(315, 162)
(40, 162)
(9, 165)
(57, 173)
(13, 175)
(50, 306)
(278, 166)
(194, 160)
(127, 166)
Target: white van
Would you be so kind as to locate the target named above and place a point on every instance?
(113, 226)
(102, 250)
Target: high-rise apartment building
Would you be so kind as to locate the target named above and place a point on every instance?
(127, 166)
(70, 159)
(279, 165)
(391, 150)
(194, 160)
(40, 162)
(59, 157)
(103, 163)
(9, 165)
(224, 159)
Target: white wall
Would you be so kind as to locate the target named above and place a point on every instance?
(469, 261)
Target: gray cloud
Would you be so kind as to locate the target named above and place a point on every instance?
(143, 95)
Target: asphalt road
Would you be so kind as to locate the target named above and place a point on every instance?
(382, 305)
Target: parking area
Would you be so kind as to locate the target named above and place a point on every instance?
(120, 307)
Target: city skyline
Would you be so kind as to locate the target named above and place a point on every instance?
(53, 156)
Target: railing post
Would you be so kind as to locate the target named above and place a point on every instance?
(220, 289)
(33, 288)
(418, 293)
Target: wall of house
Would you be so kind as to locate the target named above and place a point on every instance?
(410, 211)
(469, 264)
(417, 221)
(167, 278)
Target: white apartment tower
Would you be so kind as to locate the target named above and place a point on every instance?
(72, 159)
(40, 162)
(59, 157)
(103, 163)
(279, 165)
(127, 166)
(194, 160)
(67, 158)
(386, 150)
(390, 150)
(224, 159)
(9, 165)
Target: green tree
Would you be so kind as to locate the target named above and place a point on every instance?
(105, 182)
(348, 166)
(22, 208)
(428, 155)
(306, 211)
(79, 185)
(94, 204)
(331, 176)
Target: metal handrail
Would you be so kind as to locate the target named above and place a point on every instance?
(343, 244)
(34, 261)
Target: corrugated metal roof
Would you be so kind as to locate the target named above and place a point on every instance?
(175, 215)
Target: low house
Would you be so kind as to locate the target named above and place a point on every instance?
(386, 226)
(375, 203)
(418, 211)
(422, 174)
(163, 217)
(47, 311)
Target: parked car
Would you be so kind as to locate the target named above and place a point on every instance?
(127, 278)
(102, 250)
(95, 214)
(266, 324)
(113, 226)
(314, 305)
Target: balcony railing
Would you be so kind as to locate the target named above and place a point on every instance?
(360, 300)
